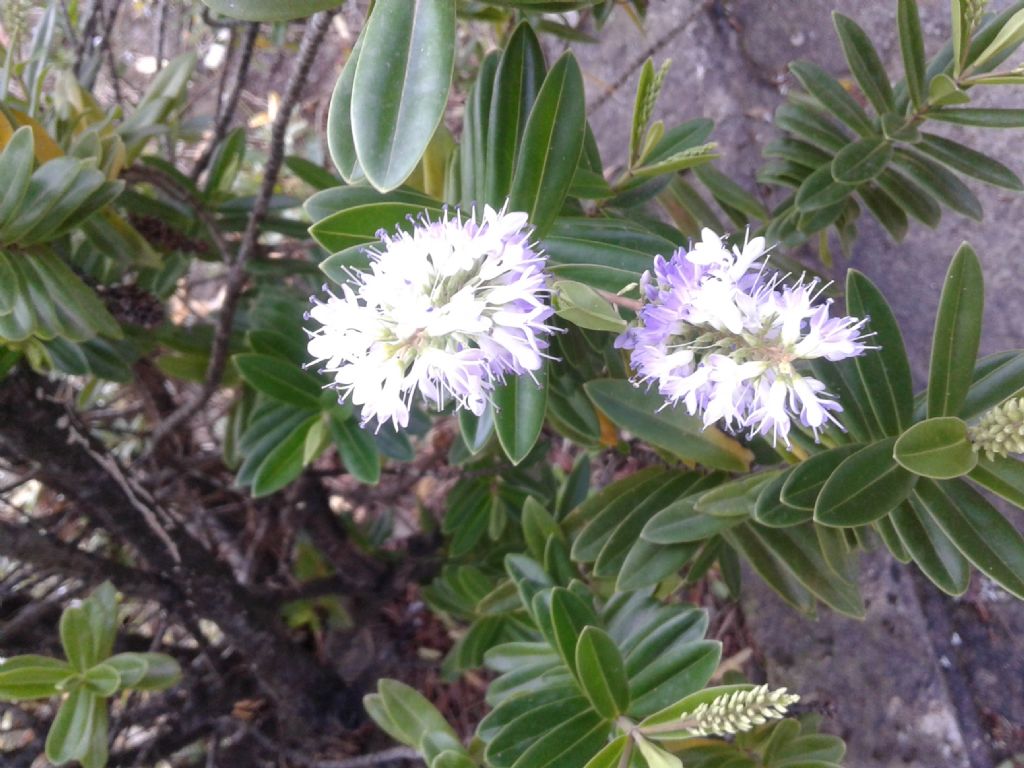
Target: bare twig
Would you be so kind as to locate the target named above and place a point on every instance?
(226, 112)
(314, 33)
(367, 761)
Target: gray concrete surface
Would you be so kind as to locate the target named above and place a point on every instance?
(923, 681)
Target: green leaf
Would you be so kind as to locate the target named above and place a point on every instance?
(930, 548)
(103, 680)
(520, 404)
(730, 194)
(16, 164)
(681, 523)
(865, 63)
(660, 669)
(358, 226)
(602, 672)
(606, 511)
(821, 190)
(356, 448)
(611, 755)
(832, 96)
(986, 538)
(940, 183)
(957, 334)
(284, 462)
(583, 306)
(280, 380)
(400, 86)
(517, 82)
(551, 146)
(73, 728)
(270, 10)
(23, 678)
(130, 667)
(885, 209)
(861, 161)
(805, 481)
(1003, 476)
(996, 378)
(340, 143)
(811, 127)
(470, 169)
(969, 162)
(799, 550)
(51, 301)
(910, 197)
(415, 717)
(980, 116)
(864, 487)
(1009, 38)
(772, 511)
(655, 756)
(671, 429)
(885, 372)
(938, 448)
(912, 49)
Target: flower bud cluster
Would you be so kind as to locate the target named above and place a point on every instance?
(1000, 431)
(740, 711)
(717, 335)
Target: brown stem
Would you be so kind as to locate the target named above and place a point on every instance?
(316, 28)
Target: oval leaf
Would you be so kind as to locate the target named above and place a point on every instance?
(602, 672)
(400, 86)
(938, 448)
(866, 486)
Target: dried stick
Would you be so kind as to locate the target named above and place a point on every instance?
(226, 112)
(237, 276)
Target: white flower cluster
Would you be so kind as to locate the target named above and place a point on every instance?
(448, 310)
(718, 336)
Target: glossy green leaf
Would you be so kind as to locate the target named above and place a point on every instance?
(279, 379)
(476, 431)
(130, 667)
(270, 10)
(986, 538)
(957, 334)
(602, 672)
(832, 96)
(864, 487)
(655, 756)
(811, 127)
(861, 161)
(356, 448)
(583, 306)
(470, 169)
(930, 548)
(661, 669)
(912, 49)
(938, 448)
(551, 146)
(284, 462)
(996, 378)
(865, 63)
(605, 511)
(517, 81)
(884, 372)
(400, 86)
(673, 430)
(804, 483)
(340, 143)
(359, 225)
(772, 511)
(799, 550)
(519, 405)
(1002, 476)
(16, 164)
(610, 756)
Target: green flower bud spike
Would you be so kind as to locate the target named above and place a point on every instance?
(1000, 431)
(740, 711)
